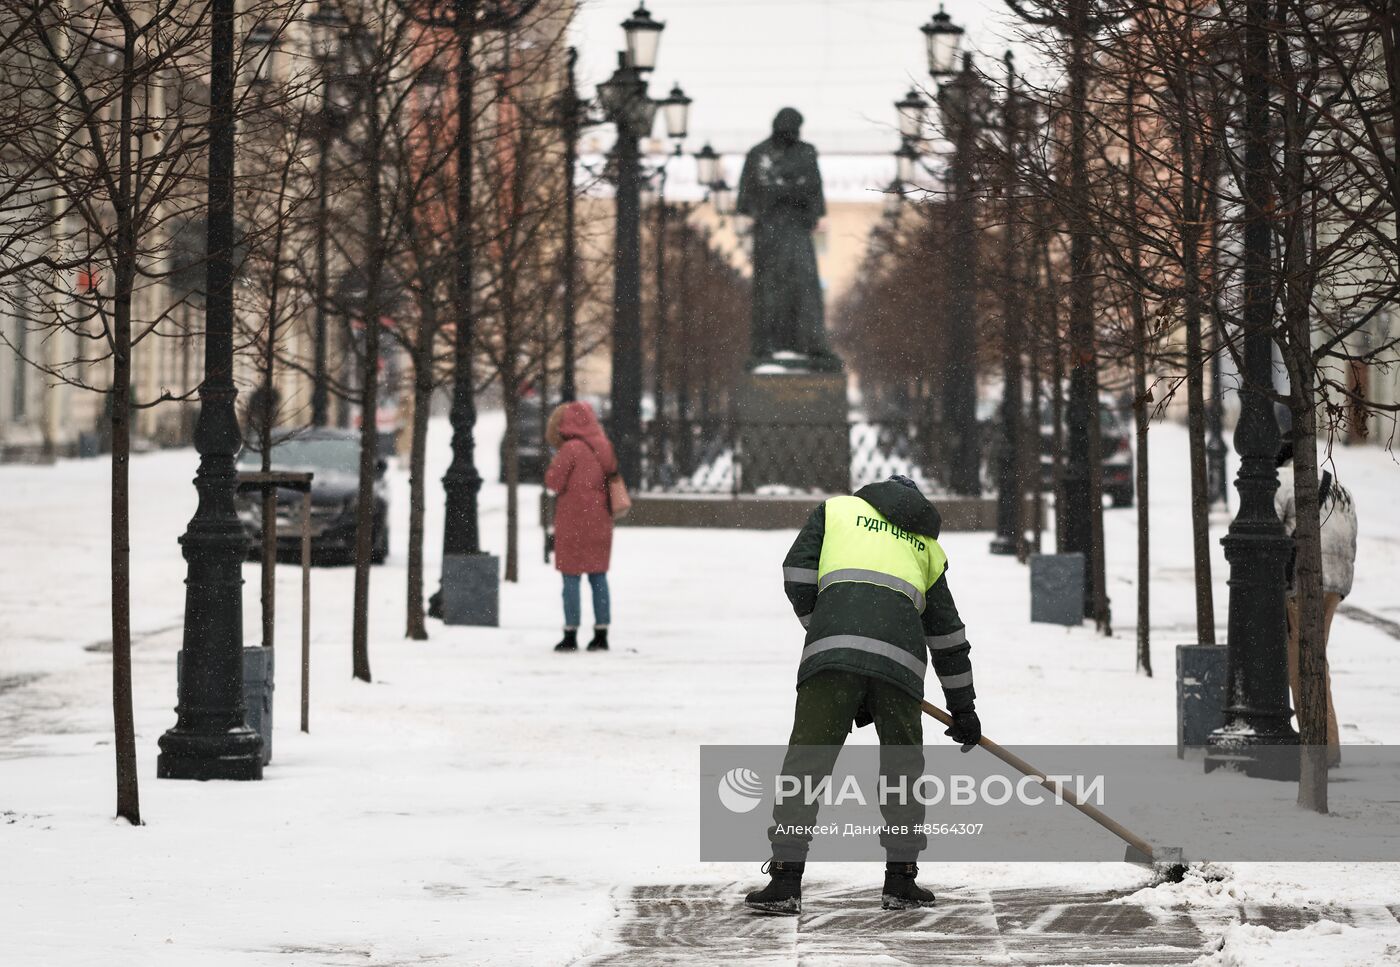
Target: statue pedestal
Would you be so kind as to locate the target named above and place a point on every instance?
(792, 429)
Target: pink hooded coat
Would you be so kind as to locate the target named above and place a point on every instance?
(583, 525)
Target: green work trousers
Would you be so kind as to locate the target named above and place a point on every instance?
(827, 704)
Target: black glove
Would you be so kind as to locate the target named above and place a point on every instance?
(966, 728)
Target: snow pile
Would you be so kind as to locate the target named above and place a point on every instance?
(1206, 885)
(1324, 942)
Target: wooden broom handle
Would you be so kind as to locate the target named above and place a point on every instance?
(1026, 769)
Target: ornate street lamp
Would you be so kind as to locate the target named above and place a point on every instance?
(470, 589)
(328, 31)
(707, 166)
(961, 101)
(906, 164)
(913, 115)
(1010, 535)
(626, 103)
(210, 739)
(623, 98)
(643, 39)
(1257, 735)
(676, 110)
(894, 197)
(724, 197)
(944, 40)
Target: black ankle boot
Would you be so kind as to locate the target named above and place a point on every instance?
(783, 894)
(600, 640)
(901, 892)
(570, 641)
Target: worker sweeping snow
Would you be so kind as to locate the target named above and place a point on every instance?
(867, 579)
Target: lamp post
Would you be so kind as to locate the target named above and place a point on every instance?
(675, 110)
(1257, 735)
(328, 28)
(1219, 486)
(471, 580)
(571, 111)
(707, 173)
(724, 198)
(961, 100)
(912, 110)
(894, 199)
(1010, 537)
(209, 739)
(707, 166)
(626, 104)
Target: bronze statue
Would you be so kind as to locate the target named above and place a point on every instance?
(781, 190)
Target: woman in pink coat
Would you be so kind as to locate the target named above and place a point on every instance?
(583, 523)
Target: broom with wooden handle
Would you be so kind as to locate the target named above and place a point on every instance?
(1167, 858)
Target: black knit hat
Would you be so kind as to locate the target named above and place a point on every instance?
(899, 478)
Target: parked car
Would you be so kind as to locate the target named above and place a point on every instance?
(1116, 436)
(532, 453)
(333, 456)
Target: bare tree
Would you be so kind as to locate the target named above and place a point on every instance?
(104, 110)
(390, 53)
(274, 200)
(520, 221)
(1067, 32)
(426, 266)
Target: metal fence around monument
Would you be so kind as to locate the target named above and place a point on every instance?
(724, 456)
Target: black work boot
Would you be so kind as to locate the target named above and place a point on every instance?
(600, 640)
(783, 894)
(570, 641)
(901, 892)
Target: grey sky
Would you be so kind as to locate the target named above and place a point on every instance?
(842, 63)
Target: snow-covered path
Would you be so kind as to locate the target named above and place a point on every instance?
(488, 801)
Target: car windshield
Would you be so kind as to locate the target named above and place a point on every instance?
(334, 456)
(1110, 421)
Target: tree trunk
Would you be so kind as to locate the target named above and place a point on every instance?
(1298, 276)
(369, 413)
(364, 502)
(1312, 648)
(1057, 436)
(1030, 462)
(268, 418)
(1192, 306)
(1144, 521)
(416, 625)
(1083, 497)
(1098, 575)
(512, 469)
(123, 717)
(1200, 487)
(1141, 402)
(269, 494)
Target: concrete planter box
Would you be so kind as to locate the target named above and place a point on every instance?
(471, 590)
(1057, 589)
(258, 668)
(1200, 694)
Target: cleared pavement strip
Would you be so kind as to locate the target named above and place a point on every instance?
(688, 925)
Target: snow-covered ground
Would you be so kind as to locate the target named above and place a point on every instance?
(485, 800)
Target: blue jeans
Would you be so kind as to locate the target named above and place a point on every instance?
(602, 604)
